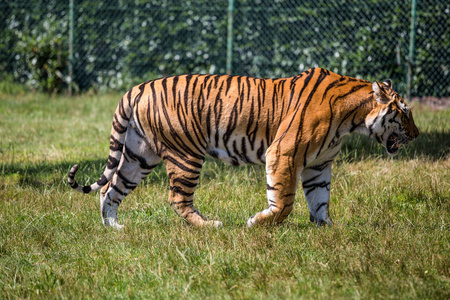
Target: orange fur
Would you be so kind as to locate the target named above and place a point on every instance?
(293, 125)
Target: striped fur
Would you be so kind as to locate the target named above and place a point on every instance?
(292, 125)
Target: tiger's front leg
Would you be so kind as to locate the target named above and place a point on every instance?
(282, 177)
(316, 187)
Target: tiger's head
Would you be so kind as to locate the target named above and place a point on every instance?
(391, 122)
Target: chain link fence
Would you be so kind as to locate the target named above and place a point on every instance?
(54, 45)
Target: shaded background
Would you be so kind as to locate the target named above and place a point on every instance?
(118, 44)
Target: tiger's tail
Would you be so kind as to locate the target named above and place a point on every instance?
(121, 119)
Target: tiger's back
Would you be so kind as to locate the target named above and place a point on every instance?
(233, 118)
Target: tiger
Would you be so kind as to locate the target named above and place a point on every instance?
(292, 125)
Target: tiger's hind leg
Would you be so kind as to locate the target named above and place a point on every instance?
(137, 161)
(184, 176)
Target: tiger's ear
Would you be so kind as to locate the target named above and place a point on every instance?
(379, 93)
(388, 83)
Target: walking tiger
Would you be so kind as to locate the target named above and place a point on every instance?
(292, 125)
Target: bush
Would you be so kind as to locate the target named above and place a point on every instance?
(42, 50)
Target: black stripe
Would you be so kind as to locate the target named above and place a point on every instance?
(261, 151)
(289, 195)
(311, 187)
(112, 163)
(114, 144)
(272, 203)
(193, 163)
(125, 180)
(119, 190)
(231, 126)
(320, 206)
(244, 151)
(186, 90)
(218, 106)
(182, 202)
(116, 201)
(286, 206)
(118, 126)
(191, 178)
(229, 79)
(73, 185)
(180, 165)
(129, 97)
(174, 90)
(122, 111)
(185, 182)
(262, 85)
(137, 100)
(306, 182)
(322, 166)
(328, 129)
(240, 92)
(208, 123)
(142, 161)
(102, 181)
(336, 84)
(145, 173)
(271, 188)
(164, 85)
(353, 90)
(179, 190)
(86, 189)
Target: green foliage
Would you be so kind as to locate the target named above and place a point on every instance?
(391, 237)
(118, 44)
(43, 51)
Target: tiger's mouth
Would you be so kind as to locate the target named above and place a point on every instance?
(393, 143)
(395, 140)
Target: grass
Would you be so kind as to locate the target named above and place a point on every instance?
(391, 237)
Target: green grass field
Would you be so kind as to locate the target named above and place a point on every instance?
(391, 238)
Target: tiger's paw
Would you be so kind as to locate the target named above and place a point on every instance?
(214, 223)
(264, 218)
(321, 221)
(112, 222)
(251, 222)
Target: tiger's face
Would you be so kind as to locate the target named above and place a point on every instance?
(391, 122)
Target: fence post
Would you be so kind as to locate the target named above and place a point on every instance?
(71, 39)
(230, 37)
(412, 41)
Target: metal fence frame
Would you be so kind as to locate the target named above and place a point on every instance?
(233, 11)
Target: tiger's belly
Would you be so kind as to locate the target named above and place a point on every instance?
(239, 151)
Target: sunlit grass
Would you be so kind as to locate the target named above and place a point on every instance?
(390, 239)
